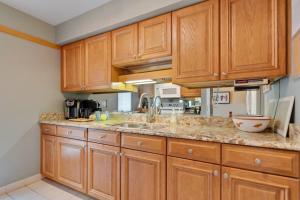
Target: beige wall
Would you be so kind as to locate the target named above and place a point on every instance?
(19, 21)
(29, 85)
(114, 14)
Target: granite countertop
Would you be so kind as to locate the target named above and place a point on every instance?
(203, 133)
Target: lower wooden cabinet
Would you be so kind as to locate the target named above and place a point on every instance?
(103, 171)
(143, 176)
(48, 156)
(192, 180)
(246, 185)
(72, 163)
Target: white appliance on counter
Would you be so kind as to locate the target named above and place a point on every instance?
(167, 90)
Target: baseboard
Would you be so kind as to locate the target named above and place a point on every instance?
(19, 184)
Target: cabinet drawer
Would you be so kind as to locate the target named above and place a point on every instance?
(72, 132)
(104, 137)
(195, 150)
(48, 129)
(151, 144)
(279, 162)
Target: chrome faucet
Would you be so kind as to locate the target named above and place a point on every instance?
(154, 110)
(140, 106)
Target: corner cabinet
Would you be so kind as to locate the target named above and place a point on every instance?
(253, 38)
(48, 149)
(195, 43)
(72, 66)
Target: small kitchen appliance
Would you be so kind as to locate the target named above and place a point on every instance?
(71, 108)
(88, 107)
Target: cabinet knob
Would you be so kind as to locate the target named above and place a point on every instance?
(225, 176)
(117, 153)
(102, 136)
(224, 73)
(216, 173)
(258, 161)
(190, 151)
(121, 154)
(139, 143)
(69, 132)
(216, 74)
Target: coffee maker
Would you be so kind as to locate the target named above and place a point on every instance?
(87, 107)
(71, 108)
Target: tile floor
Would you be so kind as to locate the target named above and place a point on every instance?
(44, 190)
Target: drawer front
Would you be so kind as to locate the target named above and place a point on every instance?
(151, 144)
(104, 137)
(48, 129)
(278, 162)
(72, 132)
(195, 150)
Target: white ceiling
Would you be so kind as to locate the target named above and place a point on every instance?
(54, 12)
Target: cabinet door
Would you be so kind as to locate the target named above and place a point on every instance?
(48, 156)
(72, 56)
(124, 45)
(195, 43)
(155, 37)
(253, 39)
(186, 92)
(104, 171)
(143, 176)
(246, 185)
(192, 180)
(97, 69)
(71, 163)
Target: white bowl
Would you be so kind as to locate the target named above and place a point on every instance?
(253, 124)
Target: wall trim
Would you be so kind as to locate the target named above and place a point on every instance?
(28, 37)
(19, 184)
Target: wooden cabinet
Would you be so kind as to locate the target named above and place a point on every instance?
(190, 93)
(97, 70)
(104, 171)
(143, 176)
(246, 185)
(72, 66)
(48, 156)
(138, 43)
(195, 43)
(253, 38)
(193, 180)
(155, 37)
(124, 45)
(71, 163)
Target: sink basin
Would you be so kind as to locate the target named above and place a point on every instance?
(150, 126)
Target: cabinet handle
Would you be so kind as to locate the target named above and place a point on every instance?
(69, 132)
(139, 143)
(258, 161)
(225, 176)
(121, 154)
(216, 74)
(224, 73)
(216, 173)
(190, 151)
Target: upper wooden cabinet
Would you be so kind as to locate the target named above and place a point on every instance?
(97, 70)
(72, 60)
(155, 37)
(125, 45)
(190, 93)
(253, 38)
(246, 185)
(141, 42)
(195, 43)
